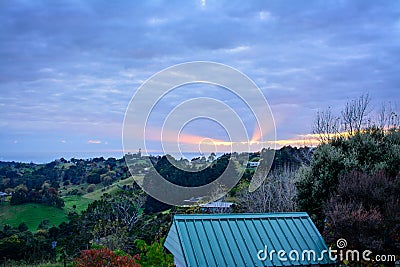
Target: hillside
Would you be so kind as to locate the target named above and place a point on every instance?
(76, 183)
(33, 213)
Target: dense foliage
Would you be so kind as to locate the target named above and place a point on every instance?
(60, 173)
(349, 185)
(46, 183)
(19, 243)
(115, 220)
(166, 166)
(370, 152)
(153, 254)
(351, 189)
(191, 179)
(365, 211)
(105, 257)
(47, 196)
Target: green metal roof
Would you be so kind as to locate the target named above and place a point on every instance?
(236, 239)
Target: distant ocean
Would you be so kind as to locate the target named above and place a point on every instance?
(46, 157)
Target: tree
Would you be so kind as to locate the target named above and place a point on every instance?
(50, 197)
(367, 148)
(128, 207)
(19, 196)
(318, 180)
(93, 178)
(388, 117)
(44, 224)
(73, 236)
(353, 118)
(113, 217)
(326, 125)
(111, 234)
(91, 188)
(354, 115)
(22, 227)
(153, 254)
(276, 194)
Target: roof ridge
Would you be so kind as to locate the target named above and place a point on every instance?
(243, 215)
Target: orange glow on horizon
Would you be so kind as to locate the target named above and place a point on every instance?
(255, 144)
(183, 138)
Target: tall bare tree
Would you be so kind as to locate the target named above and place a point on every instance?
(114, 216)
(128, 207)
(355, 113)
(354, 117)
(388, 116)
(326, 125)
(276, 194)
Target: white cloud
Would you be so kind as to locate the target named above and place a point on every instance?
(237, 49)
(155, 21)
(94, 142)
(265, 15)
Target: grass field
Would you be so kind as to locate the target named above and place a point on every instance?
(33, 214)
(80, 202)
(109, 190)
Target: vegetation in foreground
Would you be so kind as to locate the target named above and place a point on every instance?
(349, 185)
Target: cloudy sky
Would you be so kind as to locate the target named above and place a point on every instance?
(68, 69)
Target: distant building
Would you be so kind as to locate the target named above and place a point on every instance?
(131, 156)
(217, 206)
(3, 196)
(253, 164)
(246, 240)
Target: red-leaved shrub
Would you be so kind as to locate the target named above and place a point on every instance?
(104, 257)
(365, 210)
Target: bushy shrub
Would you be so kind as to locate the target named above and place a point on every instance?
(365, 210)
(369, 152)
(153, 254)
(91, 188)
(104, 257)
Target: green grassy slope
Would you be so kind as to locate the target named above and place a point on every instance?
(95, 195)
(33, 214)
(80, 202)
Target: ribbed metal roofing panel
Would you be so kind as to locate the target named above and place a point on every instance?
(235, 239)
